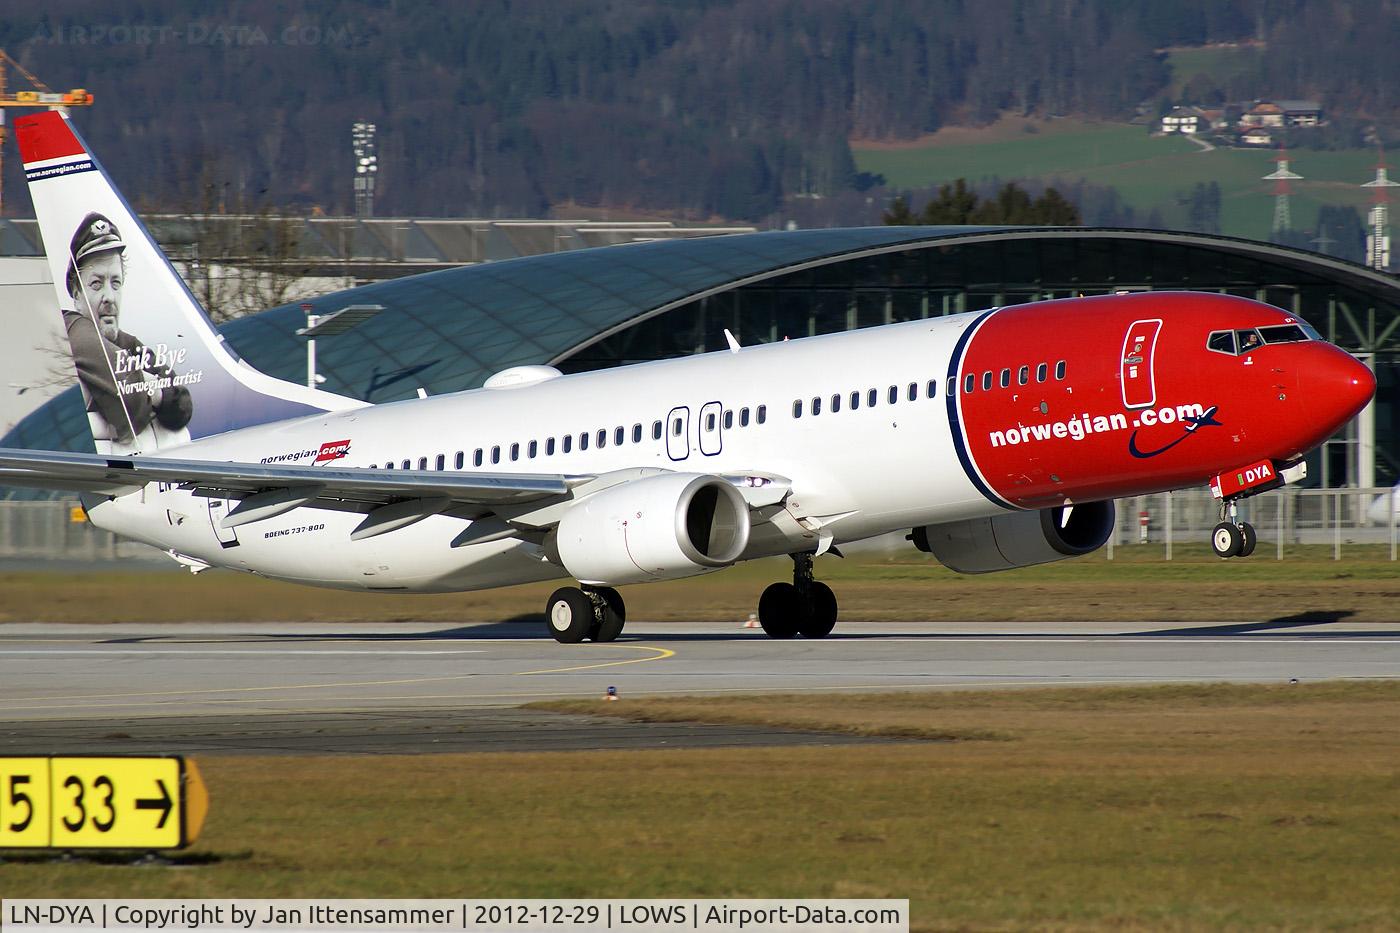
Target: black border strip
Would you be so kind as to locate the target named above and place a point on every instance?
(955, 428)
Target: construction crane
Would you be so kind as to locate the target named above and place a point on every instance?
(40, 96)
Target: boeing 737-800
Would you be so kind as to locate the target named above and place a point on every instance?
(998, 438)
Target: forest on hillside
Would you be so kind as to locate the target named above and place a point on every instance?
(702, 109)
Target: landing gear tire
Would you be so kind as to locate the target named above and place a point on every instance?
(820, 617)
(1227, 540)
(614, 615)
(1248, 539)
(570, 615)
(780, 610)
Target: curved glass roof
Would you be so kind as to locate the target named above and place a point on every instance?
(448, 331)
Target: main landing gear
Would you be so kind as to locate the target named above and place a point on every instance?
(805, 607)
(575, 613)
(1232, 537)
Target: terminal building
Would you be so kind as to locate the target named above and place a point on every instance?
(657, 298)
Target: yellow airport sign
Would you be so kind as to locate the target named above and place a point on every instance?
(83, 802)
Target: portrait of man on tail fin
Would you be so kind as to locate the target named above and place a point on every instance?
(135, 399)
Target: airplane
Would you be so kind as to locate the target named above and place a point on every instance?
(997, 438)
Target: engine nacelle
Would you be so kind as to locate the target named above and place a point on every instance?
(1017, 539)
(655, 528)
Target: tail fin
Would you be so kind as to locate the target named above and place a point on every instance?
(154, 372)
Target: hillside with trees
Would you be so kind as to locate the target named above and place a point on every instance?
(707, 109)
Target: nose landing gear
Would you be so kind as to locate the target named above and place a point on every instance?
(805, 607)
(1232, 537)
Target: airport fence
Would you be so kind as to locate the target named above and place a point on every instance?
(1340, 518)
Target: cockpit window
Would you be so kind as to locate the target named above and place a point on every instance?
(1246, 341)
(1284, 333)
(1222, 341)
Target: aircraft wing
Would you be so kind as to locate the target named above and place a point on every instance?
(326, 487)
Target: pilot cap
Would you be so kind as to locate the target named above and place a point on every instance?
(96, 234)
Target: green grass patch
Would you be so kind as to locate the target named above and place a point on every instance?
(1148, 171)
(1220, 63)
(1166, 808)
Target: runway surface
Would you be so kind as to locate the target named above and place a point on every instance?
(418, 688)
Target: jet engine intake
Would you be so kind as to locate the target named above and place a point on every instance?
(655, 528)
(1018, 539)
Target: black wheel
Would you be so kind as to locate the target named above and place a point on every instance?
(614, 615)
(1226, 540)
(820, 617)
(1248, 539)
(569, 613)
(780, 610)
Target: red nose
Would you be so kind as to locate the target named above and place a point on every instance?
(1336, 385)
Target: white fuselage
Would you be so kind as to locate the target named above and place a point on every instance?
(856, 472)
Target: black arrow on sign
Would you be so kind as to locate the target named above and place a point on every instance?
(163, 803)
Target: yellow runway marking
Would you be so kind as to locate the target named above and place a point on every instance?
(661, 655)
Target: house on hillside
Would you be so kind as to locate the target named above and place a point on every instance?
(1281, 113)
(1185, 120)
(1260, 136)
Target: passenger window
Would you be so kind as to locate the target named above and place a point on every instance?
(816, 406)
(619, 435)
(388, 464)
(583, 441)
(495, 454)
(932, 388)
(835, 404)
(952, 385)
(408, 464)
(515, 451)
(602, 437)
(762, 413)
(872, 397)
(894, 394)
(476, 457)
(912, 392)
(743, 417)
(533, 449)
(422, 463)
(987, 381)
(855, 401)
(729, 419)
(1005, 378)
(461, 459)
(656, 430)
(1222, 341)
(549, 446)
(1024, 375)
(568, 442)
(969, 383)
(1041, 372)
(441, 462)
(1060, 369)
(636, 433)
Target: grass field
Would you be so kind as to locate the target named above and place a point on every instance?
(1148, 171)
(1162, 808)
(1192, 589)
(1218, 62)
